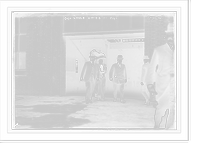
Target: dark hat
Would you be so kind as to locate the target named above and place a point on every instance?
(146, 57)
(170, 27)
(119, 57)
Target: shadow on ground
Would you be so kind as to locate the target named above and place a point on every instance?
(56, 117)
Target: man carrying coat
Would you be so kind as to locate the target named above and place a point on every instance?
(161, 71)
(88, 75)
(118, 75)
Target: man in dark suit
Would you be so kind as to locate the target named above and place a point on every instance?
(88, 75)
(161, 71)
(144, 89)
(118, 75)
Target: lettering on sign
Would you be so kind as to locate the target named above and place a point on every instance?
(90, 18)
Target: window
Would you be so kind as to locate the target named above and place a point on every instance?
(20, 44)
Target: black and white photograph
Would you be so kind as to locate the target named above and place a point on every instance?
(86, 71)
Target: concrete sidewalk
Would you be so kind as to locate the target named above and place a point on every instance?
(66, 112)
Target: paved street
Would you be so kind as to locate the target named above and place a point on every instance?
(45, 112)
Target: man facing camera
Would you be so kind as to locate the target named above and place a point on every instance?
(118, 75)
(88, 75)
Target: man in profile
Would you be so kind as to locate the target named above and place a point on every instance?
(161, 73)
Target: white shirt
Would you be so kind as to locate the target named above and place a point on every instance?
(119, 64)
(101, 68)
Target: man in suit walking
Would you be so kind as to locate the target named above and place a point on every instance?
(161, 71)
(88, 75)
(144, 89)
(118, 75)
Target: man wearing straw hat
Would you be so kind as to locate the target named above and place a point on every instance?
(161, 72)
(89, 74)
(118, 75)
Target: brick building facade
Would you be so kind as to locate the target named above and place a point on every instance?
(40, 51)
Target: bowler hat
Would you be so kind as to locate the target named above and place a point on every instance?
(170, 27)
(119, 57)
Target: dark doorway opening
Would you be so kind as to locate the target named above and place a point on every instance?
(78, 50)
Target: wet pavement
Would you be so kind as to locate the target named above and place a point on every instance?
(70, 112)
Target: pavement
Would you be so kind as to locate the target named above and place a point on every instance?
(70, 112)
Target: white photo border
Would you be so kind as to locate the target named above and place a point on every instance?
(6, 112)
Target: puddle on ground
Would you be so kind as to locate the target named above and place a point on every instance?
(51, 121)
(52, 108)
(55, 108)
(57, 119)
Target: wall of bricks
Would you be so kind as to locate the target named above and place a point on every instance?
(45, 58)
(155, 35)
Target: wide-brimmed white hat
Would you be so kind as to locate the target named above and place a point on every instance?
(94, 54)
(101, 56)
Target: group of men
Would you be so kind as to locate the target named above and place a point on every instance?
(157, 79)
(117, 74)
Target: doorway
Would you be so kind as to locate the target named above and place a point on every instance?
(132, 50)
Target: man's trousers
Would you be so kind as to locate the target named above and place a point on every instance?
(165, 110)
(121, 91)
(101, 87)
(145, 93)
(90, 86)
